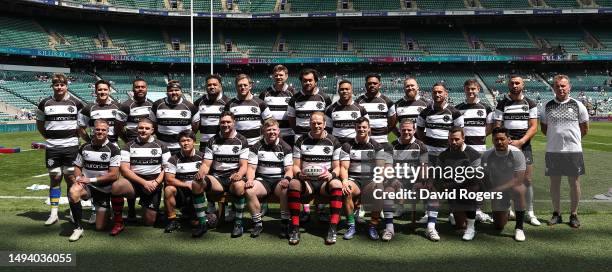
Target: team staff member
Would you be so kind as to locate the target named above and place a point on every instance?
(277, 98)
(57, 122)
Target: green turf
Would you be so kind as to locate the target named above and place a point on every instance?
(146, 248)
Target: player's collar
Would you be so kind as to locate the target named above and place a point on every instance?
(315, 91)
(65, 98)
(276, 142)
(108, 101)
(323, 135)
(168, 101)
(417, 97)
(367, 139)
(463, 147)
(103, 144)
(520, 98)
(562, 102)
(351, 102)
(475, 101)
(232, 135)
(433, 105)
(285, 87)
(190, 155)
(219, 96)
(151, 139)
(412, 140)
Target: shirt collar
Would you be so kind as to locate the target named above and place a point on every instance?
(315, 91)
(276, 142)
(561, 102)
(232, 135)
(151, 139)
(475, 101)
(104, 143)
(433, 105)
(417, 97)
(285, 87)
(168, 101)
(190, 155)
(219, 96)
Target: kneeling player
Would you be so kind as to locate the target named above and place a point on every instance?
(179, 175)
(96, 168)
(269, 173)
(224, 167)
(142, 162)
(316, 152)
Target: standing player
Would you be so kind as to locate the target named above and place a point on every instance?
(519, 115)
(56, 121)
(342, 115)
(379, 108)
(249, 111)
(224, 167)
(173, 114)
(321, 151)
(142, 170)
(277, 98)
(409, 106)
(103, 108)
(564, 122)
(96, 168)
(269, 173)
(210, 107)
(504, 167)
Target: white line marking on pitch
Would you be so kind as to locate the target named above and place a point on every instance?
(41, 175)
(24, 197)
(589, 142)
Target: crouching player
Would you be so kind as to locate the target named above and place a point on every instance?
(316, 166)
(96, 168)
(142, 162)
(179, 175)
(269, 173)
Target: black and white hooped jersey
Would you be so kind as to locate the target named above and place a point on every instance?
(437, 123)
(341, 118)
(320, 152)
(185, 167)
(278, 102)
(362, 157)
(475, 119)
(379, 108)
(406, 109)
(109, 111)
(249, 115)
(563, 121)
(171, 119)
(96, 161)
(226, 154)
(413, 153)
(210, 110)
(302, 105)
(60, 121)
(146, 158)
(133, 111)
(515, 115)
(271, 159)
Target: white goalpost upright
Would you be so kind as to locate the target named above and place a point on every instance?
(192, 49)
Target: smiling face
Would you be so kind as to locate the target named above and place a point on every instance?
(59, 89)
(471, 92)
(501, 141)
(271, 133)
(186, 144)
(411, 89)
(345, 90)
(439, 95)
(226, 125)
(362, 129)
(145, 130)
(100, 131)
(102, 92)
(562, 89)
(280, 77)
(243, 88)
(174, 94)
(139, 88)
(455, 141)
(406, 132)
(317, 124)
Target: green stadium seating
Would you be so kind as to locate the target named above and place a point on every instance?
(501, 36)
(441, 40)
(562, 3)
(144, 4)
(571, 38)
(377, 43)
(22, 33)
(440, 5)
(312, 6)
(604, 3)
(252, 6)
(604, 36)
(505, 4)
(78, 37)
(367, 5)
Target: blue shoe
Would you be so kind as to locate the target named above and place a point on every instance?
(373, 233)
(350, 232)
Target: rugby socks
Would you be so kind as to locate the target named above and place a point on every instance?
(432, 218)
(350, 219)
(198, 204)
(335, 206)
(117, 202)
(520, 219)
(256, 218)
(131, 207)
(54, 196)
(211, 207)
(293, 201)
(529, 198)
(239, 203)
(77, 213)
(285, 215)
(388, 212)
(471, 219)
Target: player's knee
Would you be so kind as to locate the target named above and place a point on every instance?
(169, 191)
(55, 172)
(68, 170)
(334, 184)
(295, 185)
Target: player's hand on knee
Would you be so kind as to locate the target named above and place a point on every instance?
(284, 183)
(249, 184)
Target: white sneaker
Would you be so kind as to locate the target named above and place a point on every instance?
(605, 196)
(451, 219)
(52, 220)
(423, 219)
(432, 234)
(92, 219)
(519, 235)
(533, 220)
(469, 234)
(483, 217)
(76, 235)
(511, 215)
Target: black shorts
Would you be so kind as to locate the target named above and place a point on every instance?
(503, 204)
(464, 204)
(184, 201)
(528, 153)
(269, 182)
(564, 164)
(224, 179)
(150, 201)
(58, 157)
(98, 198)
(360, 181)
(315, 185)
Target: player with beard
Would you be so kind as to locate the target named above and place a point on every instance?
(409, 106)
(342, 115)
(277, 98)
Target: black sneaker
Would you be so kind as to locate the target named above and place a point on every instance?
(199, 230)
(294, 235)
(331, 235)
(574, 222)
(237, 232)
(172, 226)
(257, 230)
(555, 219)
(284, 232)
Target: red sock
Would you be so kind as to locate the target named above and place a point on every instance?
(117, 202)
(293, 200)
(335, 206)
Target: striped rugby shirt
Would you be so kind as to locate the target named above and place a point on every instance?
(271, 159)
(379, 108)
(210, 110)
(341, 118)
(109, 112)
(278, 102)
(185, 167)
(96, 161)
(411, 154)
(226, 154)
(249, 115)
(60, 121)
(133, 111)
(362, 157)
(319, 152)
(515, 116)
(406, 109)
(475, 119)
(437, 123)
(145, 158)
(302, 105)
(171, 119)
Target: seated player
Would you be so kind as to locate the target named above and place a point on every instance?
(268, 174)
(142, 163)
(318, 153)
(96, 168)
(504, 167)
(357, 160)
(179, 174)
(224, 168)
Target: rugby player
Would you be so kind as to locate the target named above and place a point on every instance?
(519, 115)
(57, 122)
(96, 168)
(565, 122)
(409, 106)
(277, 98)
(342, 115)
(269, 173)
(142, 170)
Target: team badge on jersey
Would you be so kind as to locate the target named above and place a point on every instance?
(446, 118)
(71, 109)
(287, 100)
(184, 113)
(480, 113)
(327, 150)
(236, 149)
(104, 156)
(320, 105)
(525, 108)
(382, 107)
(354, 115)
(198, 164)
(253, 109)
(280, 156)
(153, 152)
(50, 162)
